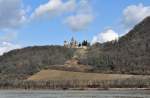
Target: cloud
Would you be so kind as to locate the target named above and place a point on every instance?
(79, 22)
(78, 13)
(12, 14)
(6, 47)
(82, 18)
(133, 14)
(8, 36)
(53, 7)
(105, 36)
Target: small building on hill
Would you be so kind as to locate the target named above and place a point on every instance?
(75, 44)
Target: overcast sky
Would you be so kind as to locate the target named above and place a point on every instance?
(45, 22)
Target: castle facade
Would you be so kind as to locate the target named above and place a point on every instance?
(75, 44)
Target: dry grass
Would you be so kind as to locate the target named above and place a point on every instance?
(68, 75)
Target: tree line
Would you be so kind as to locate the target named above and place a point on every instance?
(75, 84)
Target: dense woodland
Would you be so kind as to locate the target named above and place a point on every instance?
(22, 63)
(130, 54)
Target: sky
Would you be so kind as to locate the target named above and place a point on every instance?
(26, 23)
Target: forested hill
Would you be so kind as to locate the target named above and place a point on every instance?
(130, 54)
(24, 62)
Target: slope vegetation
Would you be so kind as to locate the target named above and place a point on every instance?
(68, 75)
(19, 64)
(130, 54)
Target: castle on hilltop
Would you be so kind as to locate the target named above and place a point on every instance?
(75, 44)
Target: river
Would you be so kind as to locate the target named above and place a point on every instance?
(74, 94)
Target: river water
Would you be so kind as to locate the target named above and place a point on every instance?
(74, 94)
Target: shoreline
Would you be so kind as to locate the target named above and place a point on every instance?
(80, 89)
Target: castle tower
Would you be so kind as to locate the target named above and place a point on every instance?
(66, 44)
(73, 43)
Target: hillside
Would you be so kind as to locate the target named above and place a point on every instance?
(19, 64)
(130, 54)
(80, 80)
(67, 75)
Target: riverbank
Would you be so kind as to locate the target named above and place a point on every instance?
(129, 84)
(79, 89)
